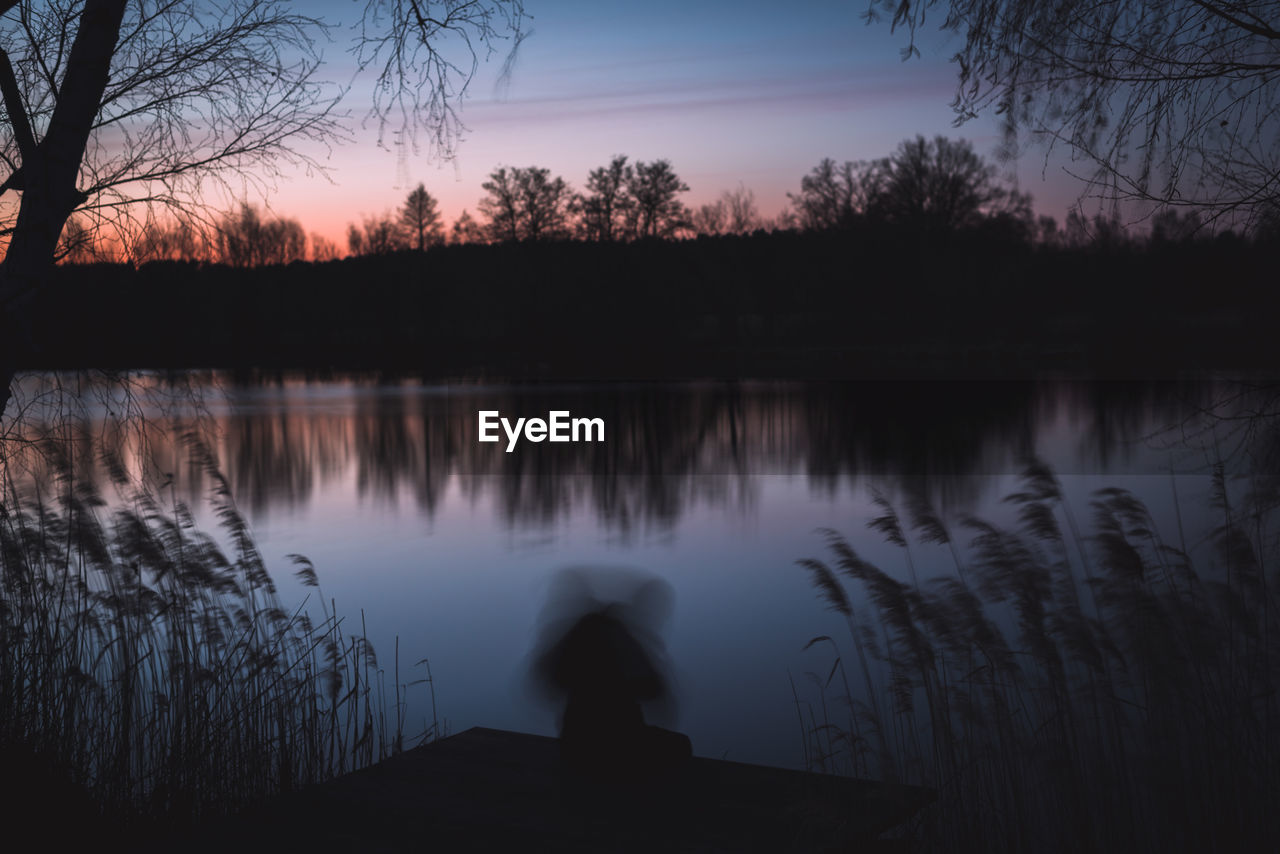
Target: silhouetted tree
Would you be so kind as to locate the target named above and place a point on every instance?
(466, 230)
(99, 98)
(941, 185)
(652, 190)
(246, 239)
(1170, 226)
(832, 195)
(168, 240)
(937, 185)
(322, 248)
(786, 220)
(740, 207)
(526, 204)
(1101, 231)
(1106, 231)
(546, 203)
(502, 206)
(420, 218)
(734, 212)
(1075, 230)
(1047, 231)
(710, 218)
(377, 235)
(1267, 226)
(113, 86)
(606, 206)
(1175, 101)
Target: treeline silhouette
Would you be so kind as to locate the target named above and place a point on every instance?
(871, 298)
(925, 261)
(931, 186)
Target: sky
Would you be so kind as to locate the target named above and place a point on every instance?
(732, 93)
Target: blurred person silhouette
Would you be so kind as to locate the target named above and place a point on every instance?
(603, 659)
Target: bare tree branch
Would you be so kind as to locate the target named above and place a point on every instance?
(1176, 102)
(17, 113)
(191, 100)
(426, 55)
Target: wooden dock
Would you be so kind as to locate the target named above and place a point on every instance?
(492, 790)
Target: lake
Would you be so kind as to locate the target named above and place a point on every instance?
(445, 547)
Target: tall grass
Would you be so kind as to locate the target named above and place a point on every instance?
(1063, 691)
(156, 665)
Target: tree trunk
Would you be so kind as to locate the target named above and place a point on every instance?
(49, 173)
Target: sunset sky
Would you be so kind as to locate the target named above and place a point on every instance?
(730, 92)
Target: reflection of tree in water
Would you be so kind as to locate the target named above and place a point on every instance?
(940, 434)
(667, 449)
(82, 424)
(1113, 420)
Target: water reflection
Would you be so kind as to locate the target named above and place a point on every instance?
(668, 448)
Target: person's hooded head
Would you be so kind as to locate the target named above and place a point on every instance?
(600, 637)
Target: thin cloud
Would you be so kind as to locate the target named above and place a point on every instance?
(845, 89)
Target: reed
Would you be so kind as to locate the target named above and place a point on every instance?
(1065, 691)
(154, 666)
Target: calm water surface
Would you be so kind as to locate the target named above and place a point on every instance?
(449, 545)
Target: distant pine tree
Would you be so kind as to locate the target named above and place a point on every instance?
(420, 218)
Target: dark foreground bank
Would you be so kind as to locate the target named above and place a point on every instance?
(490, 790)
